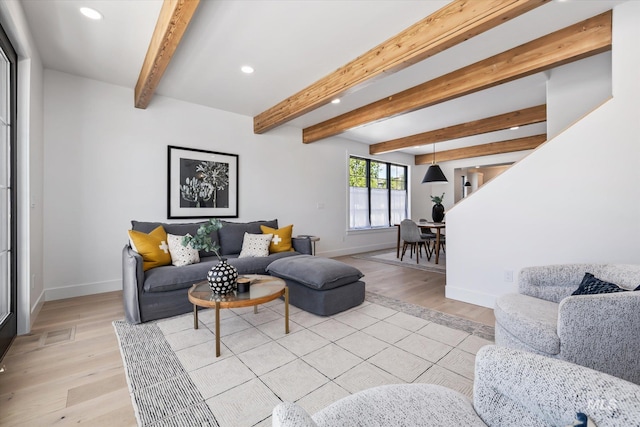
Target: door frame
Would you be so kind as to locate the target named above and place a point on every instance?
(9, 328)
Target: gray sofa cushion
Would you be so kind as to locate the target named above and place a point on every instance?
(256, 265)
(170, 278)
(178, 229)
(315, 272)
(232, 233)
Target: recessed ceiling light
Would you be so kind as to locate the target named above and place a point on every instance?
(514, 128)
(336, 101)
(91, 13)
(247, 69)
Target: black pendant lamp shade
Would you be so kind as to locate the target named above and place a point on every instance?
(467, 184)
(434, 173)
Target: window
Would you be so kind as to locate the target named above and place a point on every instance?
(378, 194)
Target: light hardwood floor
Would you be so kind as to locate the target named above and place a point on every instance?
(68, 370)
(417, 287)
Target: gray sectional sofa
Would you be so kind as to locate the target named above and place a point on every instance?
(162, 291)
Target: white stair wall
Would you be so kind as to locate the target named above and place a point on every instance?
(574, 199)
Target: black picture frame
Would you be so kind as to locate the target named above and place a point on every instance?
(201, 184)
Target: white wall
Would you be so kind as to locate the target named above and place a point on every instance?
(574, 199)
(576, 89)
(106, 164)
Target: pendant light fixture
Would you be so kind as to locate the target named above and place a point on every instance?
(434, 173)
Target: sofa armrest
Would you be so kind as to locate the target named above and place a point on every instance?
(288, 414)
(302, 245)
(603, 332)
(513, 387)
(132, 283)
(553, 282)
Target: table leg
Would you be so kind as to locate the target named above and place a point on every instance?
(437, 244)
(217, 329)
(195, 316)
(255, 309)
(286, 309)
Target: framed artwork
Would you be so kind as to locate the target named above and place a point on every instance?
(202, 184)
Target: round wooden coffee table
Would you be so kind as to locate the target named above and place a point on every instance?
(263, 289)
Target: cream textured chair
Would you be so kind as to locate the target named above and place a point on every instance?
(600, 331)
(511, 388)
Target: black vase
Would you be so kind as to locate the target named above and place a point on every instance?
(437, 212)
(222, 278)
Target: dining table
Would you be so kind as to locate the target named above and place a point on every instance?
(426, 225)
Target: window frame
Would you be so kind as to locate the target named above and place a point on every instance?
(388, 166)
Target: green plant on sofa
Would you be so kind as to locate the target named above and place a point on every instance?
(202, 240)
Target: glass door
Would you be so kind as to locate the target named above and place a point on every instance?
(8, 217)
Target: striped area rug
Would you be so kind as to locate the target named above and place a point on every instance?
(175, 379)
(161, 390)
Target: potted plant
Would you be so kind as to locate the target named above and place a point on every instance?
(222, 277)
(437, 211)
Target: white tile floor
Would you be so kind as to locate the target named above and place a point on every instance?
(321, 360)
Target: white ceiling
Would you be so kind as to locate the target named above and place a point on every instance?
(291, 44)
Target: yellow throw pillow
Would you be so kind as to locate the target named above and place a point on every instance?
(153, 247)
(281, 241)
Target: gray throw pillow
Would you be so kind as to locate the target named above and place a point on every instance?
(231, 234)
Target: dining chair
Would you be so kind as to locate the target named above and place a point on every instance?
(430, 235)
(413, 238)
(443, 242)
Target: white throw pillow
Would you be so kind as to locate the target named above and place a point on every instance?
(181, 255)
(255, 245)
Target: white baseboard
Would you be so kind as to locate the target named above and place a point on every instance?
(471, 297)
(35, 309)
(53, 294)
(355, 250)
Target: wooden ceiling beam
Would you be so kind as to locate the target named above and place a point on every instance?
(519, 144)
(527, 116)
(458, 21)
(575, 42)
(173, 21)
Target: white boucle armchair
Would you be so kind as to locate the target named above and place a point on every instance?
(600, 331)
(511, 388)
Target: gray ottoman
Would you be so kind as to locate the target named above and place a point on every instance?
(321, 286)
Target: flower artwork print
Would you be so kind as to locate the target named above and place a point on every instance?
(202, 184)
(205, 184)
